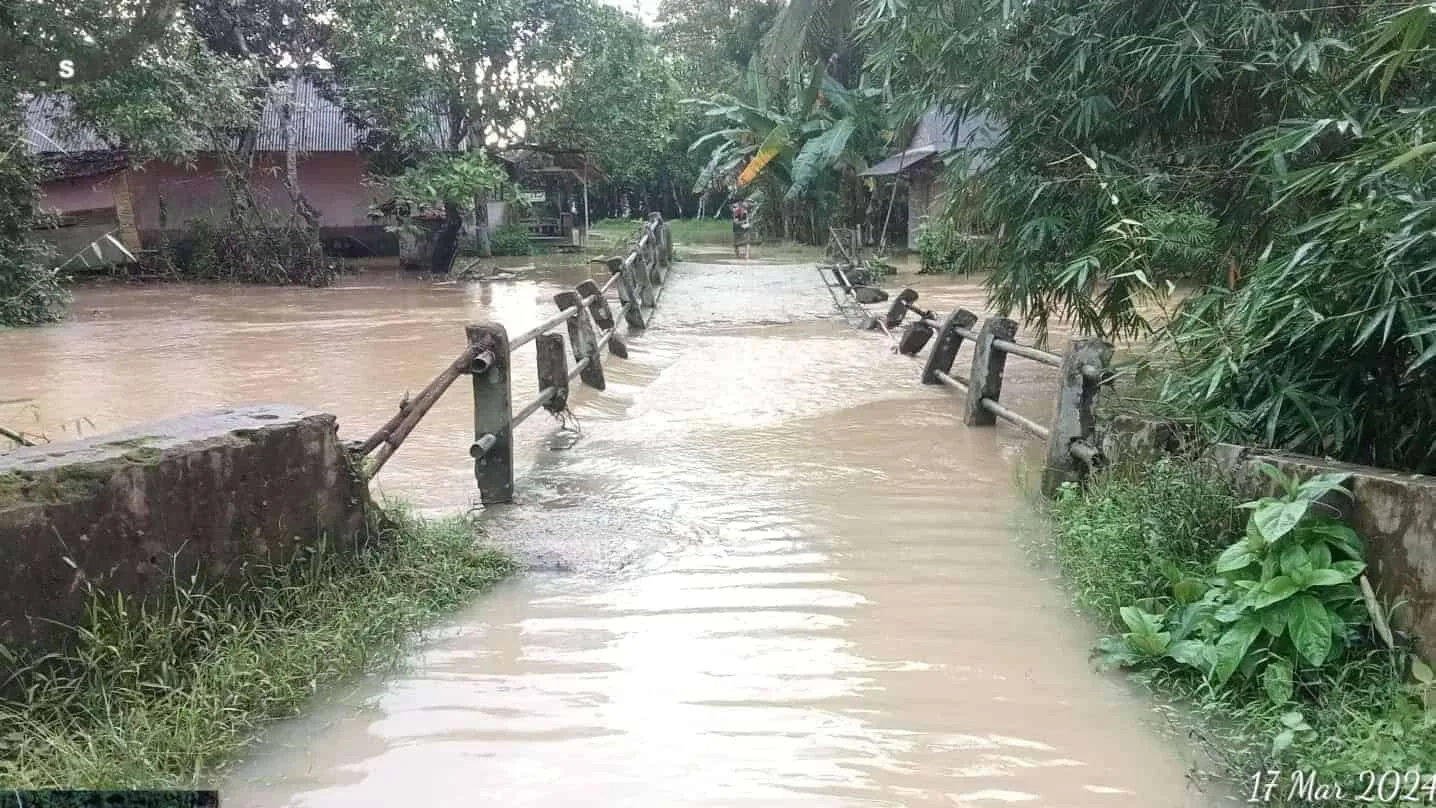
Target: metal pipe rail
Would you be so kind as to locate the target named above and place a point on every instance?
(592, 329)
(1016, 419)
(1082, 371)
(542, 328)
(1035, 354)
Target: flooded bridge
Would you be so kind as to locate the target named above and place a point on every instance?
(768, 567)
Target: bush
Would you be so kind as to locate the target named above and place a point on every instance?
(267, 250)
(1161, 552)
(511, 240)
(30, 291)
(1116, 541)
(937, 246)
(944, 247)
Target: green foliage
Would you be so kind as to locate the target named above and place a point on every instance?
(456, 177)
(30, 290)
(1275, 156)
(796, 148)
(109, 799)
(163, 693)
(1141, 546)
(1118, 540)
(1327, 345)
(619, 102)
(262, 248)
(1282, 599)
(512, 240)
(943, 248)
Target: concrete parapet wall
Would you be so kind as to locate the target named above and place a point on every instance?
(198, 495)
(1394, 512)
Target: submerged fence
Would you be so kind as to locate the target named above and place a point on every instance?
(1082, 370)
(591, 325)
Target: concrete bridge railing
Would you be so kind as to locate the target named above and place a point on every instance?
(592, 327)
(1072, 446)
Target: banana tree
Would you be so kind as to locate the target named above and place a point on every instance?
(793, 151)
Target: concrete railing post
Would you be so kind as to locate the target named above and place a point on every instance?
(1074, 417)
(552, 370)
(949, 342)
(582, 339)
(898, 310)
(632, 303)
(643, 279)
(985, 380)
(493, 446)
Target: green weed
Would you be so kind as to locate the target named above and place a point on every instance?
(1141, 532)
(164, 694)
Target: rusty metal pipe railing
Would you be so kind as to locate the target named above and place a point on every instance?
(394, 432)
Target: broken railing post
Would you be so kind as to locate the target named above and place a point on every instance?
(493, 446)
(949, 342)
(582, 339)
(898, 310)
(1074, 419)
(915, 337)
(985, 380)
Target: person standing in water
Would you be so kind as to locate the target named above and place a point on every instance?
(742, 227)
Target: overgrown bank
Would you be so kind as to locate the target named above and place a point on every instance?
(1259, 623)
(162, 695)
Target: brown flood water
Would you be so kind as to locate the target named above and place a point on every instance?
(773, 570)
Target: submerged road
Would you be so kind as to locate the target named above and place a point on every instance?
(783, 574)
(772, 570)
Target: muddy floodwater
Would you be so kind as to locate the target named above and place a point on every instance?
(768, 567)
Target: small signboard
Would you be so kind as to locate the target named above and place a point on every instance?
(534, 196)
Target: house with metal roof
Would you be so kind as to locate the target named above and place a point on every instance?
(924, 164)
(92, 188)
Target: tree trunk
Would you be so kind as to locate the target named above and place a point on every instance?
(302, 208)
(482, 237)
(446, 240)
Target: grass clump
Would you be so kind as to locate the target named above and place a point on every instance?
(1263, 625)
(163, 694)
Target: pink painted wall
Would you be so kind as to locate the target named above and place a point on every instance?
(80, 193)
(331, 181)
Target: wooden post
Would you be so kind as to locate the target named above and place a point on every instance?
(552, 370)
(582, 339)
(493, 447)
(985, 380)
(949, 342)
(1074, 414)
(898, 310)
(628, 295)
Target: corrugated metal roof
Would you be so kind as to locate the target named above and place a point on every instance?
(319, 124)
(43, 117)
(936, 134)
